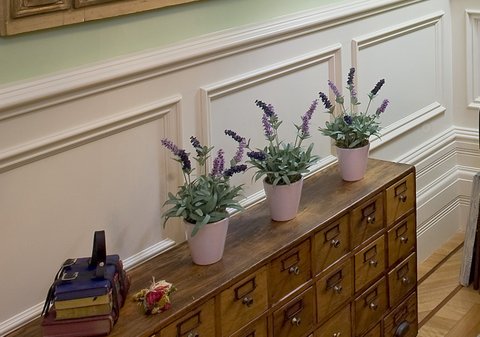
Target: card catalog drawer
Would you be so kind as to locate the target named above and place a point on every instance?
(401, 239)
(369, 262)
(297, 317)
(400, 198)
(244, 301)
(367, 219)
(199, 323)
(370, 306)
(402, 279)
(334, 289)
(403, 320)
(331, 243)
(337, 326)
(257, 329)
(289, 271)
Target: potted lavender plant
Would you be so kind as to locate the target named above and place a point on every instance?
(351, 129)
(282, 164)
(204, 199)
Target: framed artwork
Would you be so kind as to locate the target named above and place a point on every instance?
(20, 16)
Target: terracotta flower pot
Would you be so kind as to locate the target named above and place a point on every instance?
(207, 245)
(283, 200)
(353, 162)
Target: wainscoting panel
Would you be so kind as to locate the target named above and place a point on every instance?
(419, 42)
(230, 104)
(473, 58)
(111, 175)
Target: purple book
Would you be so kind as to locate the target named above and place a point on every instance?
(78, 327)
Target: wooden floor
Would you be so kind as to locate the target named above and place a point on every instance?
(446, 309)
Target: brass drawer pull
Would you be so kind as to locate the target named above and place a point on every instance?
(371, 219)
(296, 321)
(294, 270)
(193, 334)
(337, 334)
(403, 239)
(373, 306)
(335, 243)
(338, 288)
(402, 197)
(248, 301)
(373, 263)
(405, 280)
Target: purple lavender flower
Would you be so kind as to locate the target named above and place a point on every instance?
(218, 164)
(239, 154)
(242, 143)
(334, 88)
(257, 155)
(325, 100)
(267, 108)
(267, 126)
(306, 119)
(181, 154)
(351, 74)
(235, 169)
(194, 141)
(196, 144)
(234, 135)
(377, 87)
(382, 107)
(348, 119)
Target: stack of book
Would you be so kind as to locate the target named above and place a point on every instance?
(85, 306)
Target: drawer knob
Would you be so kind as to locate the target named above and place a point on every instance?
(294, 270)
(402, 329)
(337, 334)
(373, 306)
(371, 219)
(373, 263)
(296, 321)
(403, 239)
(402, 197)
(405, 280)
(338, 288)
(248, 301)
(335, 243)
(193, 334)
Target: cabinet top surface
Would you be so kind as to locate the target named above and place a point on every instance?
(252, 240)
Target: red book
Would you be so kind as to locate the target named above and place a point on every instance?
(78, 327)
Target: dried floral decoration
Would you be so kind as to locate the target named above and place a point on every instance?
(155, 299)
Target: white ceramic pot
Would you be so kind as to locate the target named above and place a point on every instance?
(283, 200)
(353, 162)
(207, 245)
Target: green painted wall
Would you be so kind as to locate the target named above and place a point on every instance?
(31, 55)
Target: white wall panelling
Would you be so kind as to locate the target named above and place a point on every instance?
(420, 43)
(81, 150)
(473, 58)
(222, 103)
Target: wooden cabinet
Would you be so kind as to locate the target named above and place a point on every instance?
(345, 266)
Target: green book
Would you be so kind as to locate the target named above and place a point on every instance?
(83, 302)
(80, 312)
